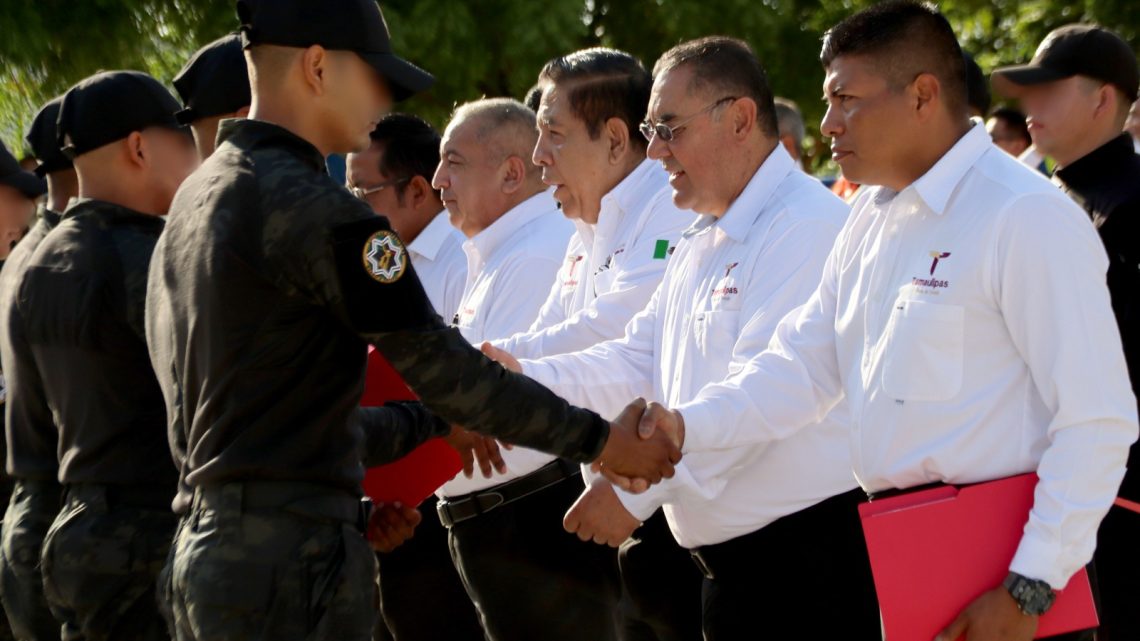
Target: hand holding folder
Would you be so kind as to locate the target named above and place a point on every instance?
(934, 552)
(415, 477)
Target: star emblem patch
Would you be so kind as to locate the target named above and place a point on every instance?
(385, 258)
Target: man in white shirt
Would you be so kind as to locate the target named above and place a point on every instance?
(421, 595)
(394, 177)
(527, 577)
(963, 314)
(767, 523)
(591, 152)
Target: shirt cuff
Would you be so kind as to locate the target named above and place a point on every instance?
(641, 506)
(700, 425)
(1039, 560)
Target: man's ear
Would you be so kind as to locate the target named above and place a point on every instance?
(137, 152)
(242, 113)
(617, 133)
(925, 91)
(314, 67)
(513, 172)
(417, 192)
(742, 113)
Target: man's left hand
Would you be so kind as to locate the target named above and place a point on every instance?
(600, 517)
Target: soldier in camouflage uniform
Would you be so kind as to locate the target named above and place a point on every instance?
(18, 189)
(264, 290)
(80, 304)
(30, 430)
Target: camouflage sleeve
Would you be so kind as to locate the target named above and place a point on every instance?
(455, 380)
(394, 430)
(370, 284)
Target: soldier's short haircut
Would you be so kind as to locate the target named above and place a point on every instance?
(725, 67)
(903, 39)
(504, 126)
(602, 84)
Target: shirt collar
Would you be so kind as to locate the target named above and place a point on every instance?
(431, 238)
(253, 134)
(1102, 162)
(743, 213)
(487, 241)
(628, 193)
(110, 211)
(937, 185)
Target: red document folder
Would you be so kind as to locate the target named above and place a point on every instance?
(935, 551)
(415, 477)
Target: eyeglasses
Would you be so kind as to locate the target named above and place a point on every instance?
(667, 133)
(363, 193)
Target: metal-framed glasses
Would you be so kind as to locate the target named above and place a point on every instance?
(667, 133)
(363, 193)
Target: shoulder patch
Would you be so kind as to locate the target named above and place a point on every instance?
(384, 256)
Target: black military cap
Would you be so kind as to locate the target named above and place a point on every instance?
(43, 140)
(109, 106)
(1077, 50)
(14, 176)
(350, 25)
(214, 82)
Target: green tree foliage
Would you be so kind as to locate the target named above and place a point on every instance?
(496, 47)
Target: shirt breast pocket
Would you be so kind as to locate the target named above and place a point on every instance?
(716, 331)
(924, 354)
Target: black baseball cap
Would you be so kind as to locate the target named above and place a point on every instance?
(43, 140)
(13, 175)
(214, 81)
(1076, 50)
(109, 106)
(348, 25)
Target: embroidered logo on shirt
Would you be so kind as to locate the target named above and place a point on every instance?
(662, 250)
(937, 256)
(385, 258)
(571, 268)
(726, 287)
(609, 261)
(931, 285)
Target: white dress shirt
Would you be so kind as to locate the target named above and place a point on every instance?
(510, 266)
(728, 284)
(437, 256)
(610, 268)
(967, 321)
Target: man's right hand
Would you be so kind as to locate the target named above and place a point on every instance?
(655, 420)
(635, 462)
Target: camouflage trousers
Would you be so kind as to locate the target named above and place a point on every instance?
(33, 507)
(273, 561)
(101, 560)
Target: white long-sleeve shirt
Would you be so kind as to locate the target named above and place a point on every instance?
(510, 266)
(967, 321)
(728, 284)
(437, 256)
(610, 268)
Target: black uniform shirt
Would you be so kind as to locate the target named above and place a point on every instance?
(82, 300)
(30, 433)
(266, 288)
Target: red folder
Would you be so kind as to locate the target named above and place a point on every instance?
(933, 552)
(415, 477)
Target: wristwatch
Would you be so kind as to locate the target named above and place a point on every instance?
(1033, 597)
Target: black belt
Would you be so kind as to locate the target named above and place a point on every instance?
(308, 500)
(463, 508)
(147, 497)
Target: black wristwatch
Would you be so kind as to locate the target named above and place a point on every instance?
(1033, 597)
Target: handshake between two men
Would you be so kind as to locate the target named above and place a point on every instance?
(643, 447)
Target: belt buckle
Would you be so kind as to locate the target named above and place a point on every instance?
(442, 509)
(364, 514)
(702, 565)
